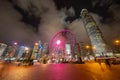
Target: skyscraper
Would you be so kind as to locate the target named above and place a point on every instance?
(21, 52)
(94, 33)
(35, 50)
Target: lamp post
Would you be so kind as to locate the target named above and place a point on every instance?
(117, 42)
(87, 47)
(117, 45)
(15, 45)
(26, 52)
(94, 50)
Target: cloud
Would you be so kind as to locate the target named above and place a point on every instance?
(11, 27)
(78, 29)
(115, 8)
(51, 21)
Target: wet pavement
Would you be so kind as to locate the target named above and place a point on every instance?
(88, 71)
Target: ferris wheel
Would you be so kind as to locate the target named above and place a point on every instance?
(62, 41)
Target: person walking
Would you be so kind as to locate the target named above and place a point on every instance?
(107, 62)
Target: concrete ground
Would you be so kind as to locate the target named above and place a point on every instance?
(87, 71)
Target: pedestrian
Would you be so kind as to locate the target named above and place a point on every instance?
(95, 59)
(107, 61)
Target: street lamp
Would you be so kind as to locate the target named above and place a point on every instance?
(27, 54)
(117, 42)
(36, 44)
(15, 46)
(117, 45)
(87, 47)
(94, 48)
(26, 50)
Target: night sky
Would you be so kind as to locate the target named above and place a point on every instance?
(27, 21)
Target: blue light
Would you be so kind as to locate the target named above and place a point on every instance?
(41, 46)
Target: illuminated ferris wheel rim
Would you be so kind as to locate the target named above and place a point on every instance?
(60, 32)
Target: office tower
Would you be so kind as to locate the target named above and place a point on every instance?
(94, 33)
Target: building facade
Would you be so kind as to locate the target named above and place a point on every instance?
(94, 33)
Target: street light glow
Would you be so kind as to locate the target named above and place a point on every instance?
(117, 42)
(94, 47)
(87, 46)
(26, 48)
(36, 44)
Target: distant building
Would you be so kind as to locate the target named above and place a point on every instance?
(39, 50)
(68, 48)
(2, 48)
(45, 48)
(35, 51)
(21, 51)
(11, 51)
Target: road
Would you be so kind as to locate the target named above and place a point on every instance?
(88, 71)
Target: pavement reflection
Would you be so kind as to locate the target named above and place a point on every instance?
(39, 71)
